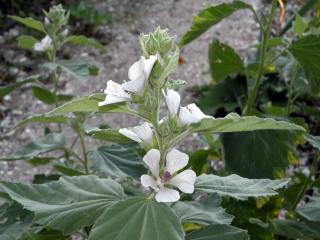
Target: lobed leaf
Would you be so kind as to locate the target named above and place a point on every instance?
(138, 219)
(210, 16)
(118, 161)
(238, 187)
(69, 203)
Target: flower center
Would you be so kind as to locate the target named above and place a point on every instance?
(166, 176)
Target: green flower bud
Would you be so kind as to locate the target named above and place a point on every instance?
(57, 16)
(160, 41)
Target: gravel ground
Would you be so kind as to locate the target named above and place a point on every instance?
(133, 18)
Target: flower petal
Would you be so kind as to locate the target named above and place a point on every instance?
(45, 44)
(136, 70)
(173, 101)
(148, 181)
(176, 160)
(191, 114)
(134, 86)
(115, 94)
(148, 64)
(167, 195)
(185, 181)
(144, 132)
(152, 159)
(130, 134)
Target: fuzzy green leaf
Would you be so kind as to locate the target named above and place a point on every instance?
(238, 187)
(26, 42)
(44, 118)
(138, 219)
(110, 135)
(5, 90)
(235, 123)
(69, 203)
(311, 211)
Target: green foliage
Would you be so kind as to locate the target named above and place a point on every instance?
(142, 219)
(223, 61)
(50, 142)
(259, 154)
(211, 16)
(29, 22)
(5, 90)
(117, 161)
(26, 42)
(238, 187)
(205, 211)
(305, 50)
(67, 204)
(218, 232)
(110, 135)
(311, 211)
(84, 41)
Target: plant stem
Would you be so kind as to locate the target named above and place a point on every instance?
(266, 34)
(85, 157)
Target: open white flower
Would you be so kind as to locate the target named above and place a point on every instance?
(141, 134)
(162, 182)
(115, 94)
(138, 73)
(191, 114)
(45, 44)
(173, 101)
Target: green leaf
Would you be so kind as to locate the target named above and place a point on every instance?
(223, 61)
(235, 123)
(26, 41)
(79, 69)
(218, 232)
(84, 104)
(294, 229)
(110, 135)
(238, 187)
(138, 219)
(69, 203)
(300, 26)
(311, 211)
(43, 94)
(90, 104)
(313, 140)
(52, 141)
(84, 41)
(307, 51)
(38, 161)
(171, 66)
(44, 118)
(5, 90)
(29, 22)
(258, 154)
(118, 161)
(67, 171)
(211, 16)
(205, 211)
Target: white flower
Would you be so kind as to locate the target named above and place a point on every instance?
(45, 44)
(191, 114)
(115, 94)
(46, 21)
(142, 133)
(173, 101)
(138, 73)
(65, 32)
(175, 161)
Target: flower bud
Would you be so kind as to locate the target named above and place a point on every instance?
(160, 41)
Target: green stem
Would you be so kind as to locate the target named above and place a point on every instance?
(266, 34)
(85, 157)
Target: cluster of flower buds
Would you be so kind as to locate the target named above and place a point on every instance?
(148, 80)
(54, 23)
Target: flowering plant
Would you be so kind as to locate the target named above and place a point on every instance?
(141, 198)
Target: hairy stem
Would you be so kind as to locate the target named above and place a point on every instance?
(85, 157)
(266, 34)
